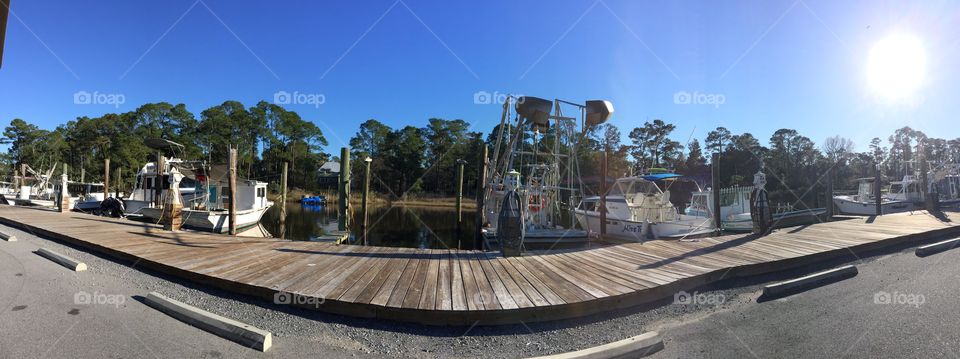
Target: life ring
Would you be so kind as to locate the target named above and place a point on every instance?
(533, 203)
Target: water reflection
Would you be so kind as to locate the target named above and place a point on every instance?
(415, 227)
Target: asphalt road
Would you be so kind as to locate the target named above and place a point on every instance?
(44, 314)
(899, 306)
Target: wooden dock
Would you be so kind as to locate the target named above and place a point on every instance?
(455, 287)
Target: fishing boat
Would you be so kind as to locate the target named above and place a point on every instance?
(735, 210)
(90, 196)
(901, 199)
(639, 209)
(524, 199)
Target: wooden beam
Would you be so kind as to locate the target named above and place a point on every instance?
(233, 191)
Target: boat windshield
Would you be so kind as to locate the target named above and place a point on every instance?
(629, 187)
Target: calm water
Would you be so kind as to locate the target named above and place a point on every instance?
(416, 227)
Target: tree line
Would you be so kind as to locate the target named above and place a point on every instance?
(424, 160)
(266, 135)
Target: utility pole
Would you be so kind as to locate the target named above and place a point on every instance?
(233, 191)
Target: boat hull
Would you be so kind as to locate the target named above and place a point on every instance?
(849, 206)
(633, 231)
(212, 221)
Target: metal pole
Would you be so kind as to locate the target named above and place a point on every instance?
(106, 178)
(344, 220)
(715, 169)
(233, 191)
(603, 195)
(366, 191)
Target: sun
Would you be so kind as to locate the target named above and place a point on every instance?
(896, 67)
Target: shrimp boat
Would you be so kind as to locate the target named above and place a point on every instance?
(639, 209)
(204, 193)
(524, 200)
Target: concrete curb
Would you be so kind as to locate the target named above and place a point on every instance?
(8, 237)
(634, 347)
(810, 281)
(937, 247)
(224, 327)
(72, 264)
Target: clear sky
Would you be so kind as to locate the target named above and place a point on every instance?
(772, 64)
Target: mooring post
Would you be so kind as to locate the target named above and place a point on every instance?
(715, 191)
(233, 190)
(344, 220)
(366, 192)
(158, 181)
(603, 195)
(481, 191)
(83, 173)
(64, 205)
(924, 182)
(283, 198)
(876, 192)
(173, 209)
(106, 178)
(116, 186)
(830, 172)
(23, 177)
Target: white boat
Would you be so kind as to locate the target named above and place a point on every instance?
(144, 193)
(90, 196)
(205, 207)
(735, 210)
(638, 209)
(903, 198)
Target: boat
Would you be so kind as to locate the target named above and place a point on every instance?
(90, 196)
(903, 197)
(639, 209)
(202, 190)
(735, 213)
(313, 200)
(523, 192)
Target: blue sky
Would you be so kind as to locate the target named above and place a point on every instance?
(795, 64)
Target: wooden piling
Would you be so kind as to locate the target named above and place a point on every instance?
(116, 186)
(460, 162)
(64, 203)
(715, 183)
(233, 191)
(158, 181)
(876, 192)
(366, 191)
(829, 206)
(106, 178)
(283, 197)
(481, 191)
(343, 219)
(603, 194)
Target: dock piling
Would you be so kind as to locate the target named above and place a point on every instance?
(829, 204)
(481, 191)
(715, 182)
(106, 178)
(283, 199)
(64, 205)
(344, 214)
(877, 196)
(233, 191)
(366, 192)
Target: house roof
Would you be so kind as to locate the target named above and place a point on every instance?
(330, 166)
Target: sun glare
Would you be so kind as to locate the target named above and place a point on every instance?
(896, 67)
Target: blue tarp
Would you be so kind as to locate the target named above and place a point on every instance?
(661, 176)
